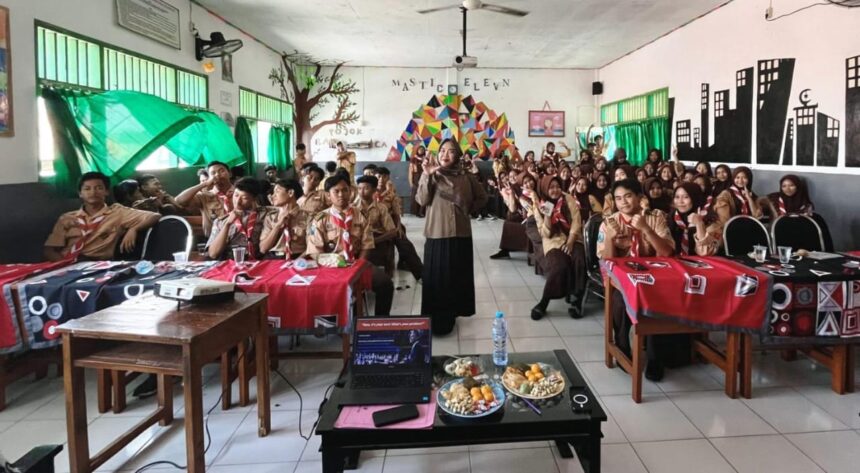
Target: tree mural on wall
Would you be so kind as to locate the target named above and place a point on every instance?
(304, 83)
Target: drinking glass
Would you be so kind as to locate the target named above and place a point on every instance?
(180, 257)
(784, 254)
(760, 253)
(239, 254)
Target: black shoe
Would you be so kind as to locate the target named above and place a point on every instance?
(147, 388)
(573, 312)
(402, 265)
(501, 254)
(654, 371)
(538, 312)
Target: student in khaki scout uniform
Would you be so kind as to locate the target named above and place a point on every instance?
(286, 224)
(560, 226)
(242, 227)
(380, 222)
(342, 229)
(92, 231)
(346, 159)
(213, 198)
(127, 193)
(387, 194)
(314, 200)
(634, 232)
(151, 188)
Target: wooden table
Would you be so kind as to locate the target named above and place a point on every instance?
(728, 360)
(152, 335)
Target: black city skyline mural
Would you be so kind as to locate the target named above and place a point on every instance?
(802, 135)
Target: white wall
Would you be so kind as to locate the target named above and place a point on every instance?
(386, 108)
(736, 36)
(97, 19)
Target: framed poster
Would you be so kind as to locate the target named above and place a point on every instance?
(546, 123)
(155, 19)
(227, 68)
(6, 122)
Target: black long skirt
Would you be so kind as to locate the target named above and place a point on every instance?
(448, 282)
(565, 274)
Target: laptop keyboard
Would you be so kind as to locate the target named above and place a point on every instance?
(382, 381)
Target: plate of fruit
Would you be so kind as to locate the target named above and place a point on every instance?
(461, 367)
(470, 398)
(533, 381)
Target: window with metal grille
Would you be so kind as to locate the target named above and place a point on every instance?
(266, 112)
(71, 60)
(642, 107)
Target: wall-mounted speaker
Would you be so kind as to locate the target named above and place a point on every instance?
(596, 88)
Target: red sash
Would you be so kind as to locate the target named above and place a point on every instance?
(87, 229)
(247, 231)
(343, 223)
(635, 237)
(781, 204)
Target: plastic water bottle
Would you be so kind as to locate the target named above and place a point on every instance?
(500, 340)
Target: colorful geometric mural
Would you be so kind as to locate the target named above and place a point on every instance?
(479, 129)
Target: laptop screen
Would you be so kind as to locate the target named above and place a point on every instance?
(392, 342)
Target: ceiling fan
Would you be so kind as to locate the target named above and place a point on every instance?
(478, 5)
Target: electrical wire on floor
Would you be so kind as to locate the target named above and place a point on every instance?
(205, 426)
(301, 404)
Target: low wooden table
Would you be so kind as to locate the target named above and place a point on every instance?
(728, 360)
(152, 335)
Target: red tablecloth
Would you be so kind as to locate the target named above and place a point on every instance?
(297, 305)
(705, 292)
(10, 333)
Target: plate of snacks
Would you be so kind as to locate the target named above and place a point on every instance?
(470, 398)
(533, 381)
(461, 367)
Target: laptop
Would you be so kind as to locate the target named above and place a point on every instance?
(390, 362)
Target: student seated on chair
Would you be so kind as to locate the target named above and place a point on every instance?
(380, 222)
(152, 189)
(634, 232)
(343, 229)
(92, 232)
(313, 199)
(285, 227)
(242, 227)
(213, 198)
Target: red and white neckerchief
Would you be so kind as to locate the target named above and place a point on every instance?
(707, 206)
(745, 208)
(635, 237)
(781, 204)
(87, 229)
(343, 222)
(226, 199)
(557, 216)
(248, 231)
(288, 255)
(685, 236)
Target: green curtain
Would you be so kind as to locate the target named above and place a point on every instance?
(638, 137)
(220, 143)
(122, 128)
(68, 143)
(279, 148)
(245, 141)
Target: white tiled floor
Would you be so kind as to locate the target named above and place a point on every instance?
(793, 423)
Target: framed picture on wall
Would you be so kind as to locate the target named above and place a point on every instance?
(546, 123)
(6, 122)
